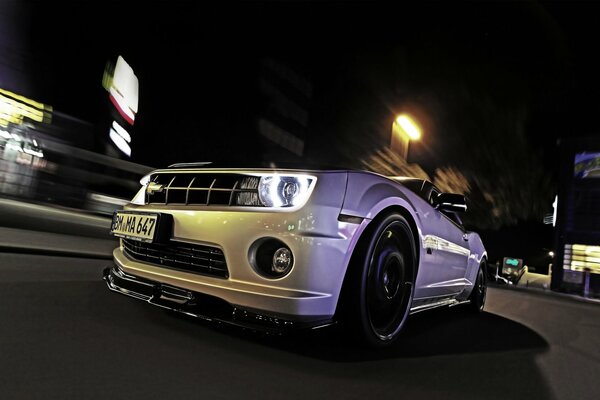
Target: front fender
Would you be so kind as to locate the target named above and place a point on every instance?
(368, 194)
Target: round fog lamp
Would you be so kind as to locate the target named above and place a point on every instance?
(282, 260)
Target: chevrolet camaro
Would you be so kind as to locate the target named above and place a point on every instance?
(275, 249)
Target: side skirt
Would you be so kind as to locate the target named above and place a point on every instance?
(435, 302)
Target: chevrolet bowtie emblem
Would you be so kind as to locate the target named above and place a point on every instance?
(154, 188)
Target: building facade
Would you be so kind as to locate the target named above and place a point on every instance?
(283, 120)
(576, 267)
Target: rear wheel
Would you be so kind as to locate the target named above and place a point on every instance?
(381, 282)
(477, 297)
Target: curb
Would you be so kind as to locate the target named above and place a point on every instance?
(40, 251)
(45, 243)
(549, 293)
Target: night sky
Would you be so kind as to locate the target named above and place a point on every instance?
(502, 79)
(195, 63)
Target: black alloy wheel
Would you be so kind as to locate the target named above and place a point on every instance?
(477, 297)
(384, 282)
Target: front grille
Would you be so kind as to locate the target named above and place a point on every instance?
(204, 189)
(182, 256)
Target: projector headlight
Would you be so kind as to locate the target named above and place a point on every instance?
(285, 190)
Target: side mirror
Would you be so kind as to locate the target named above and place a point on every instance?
(450, 202)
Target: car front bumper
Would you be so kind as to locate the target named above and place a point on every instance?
(321, 243)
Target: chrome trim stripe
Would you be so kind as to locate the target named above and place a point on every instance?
(437, 243)
(450, 283)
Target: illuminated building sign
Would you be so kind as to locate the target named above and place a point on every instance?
(120, 138)
(511, 266)
(14, 108)
(512, 261)
(579, 257)
(587, 165)
(123, 88)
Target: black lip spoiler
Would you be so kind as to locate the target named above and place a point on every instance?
(202, 306)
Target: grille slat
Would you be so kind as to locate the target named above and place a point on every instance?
(187, 257)
(205, 189)
(167, 190)
(233, 191)
(187, 192)
(209, 191)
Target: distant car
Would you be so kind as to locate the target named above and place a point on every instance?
(512, 269)
(276, 249)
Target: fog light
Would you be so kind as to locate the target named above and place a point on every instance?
(282, 260)
(271, 258)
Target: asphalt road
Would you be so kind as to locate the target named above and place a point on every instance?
(63, 335)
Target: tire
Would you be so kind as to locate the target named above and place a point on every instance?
(478, 295)
(381, 282)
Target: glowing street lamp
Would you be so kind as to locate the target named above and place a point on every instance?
(404, 129)
(409, 126)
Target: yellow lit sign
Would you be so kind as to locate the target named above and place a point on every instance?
(14, 107)
(580, 256)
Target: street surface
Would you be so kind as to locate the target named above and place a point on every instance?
(63, 335)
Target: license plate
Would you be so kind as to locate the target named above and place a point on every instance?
(135, 225)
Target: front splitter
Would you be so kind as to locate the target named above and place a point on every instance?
(202, 306)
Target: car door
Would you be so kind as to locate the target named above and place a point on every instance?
(446, 252)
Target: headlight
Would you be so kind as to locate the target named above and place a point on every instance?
(284, 190)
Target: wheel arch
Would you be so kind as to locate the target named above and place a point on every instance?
(413, 227)
(364, 239)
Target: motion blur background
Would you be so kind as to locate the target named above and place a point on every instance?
(505, 95)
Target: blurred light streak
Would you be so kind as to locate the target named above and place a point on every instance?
(14, 147)
(14, 107)
(108, 199)
(120, 142)
(555, 207)
(34, 152)
(121, 131)
(119, 103)
(26, 100)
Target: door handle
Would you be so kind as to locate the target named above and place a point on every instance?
(465, 237)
